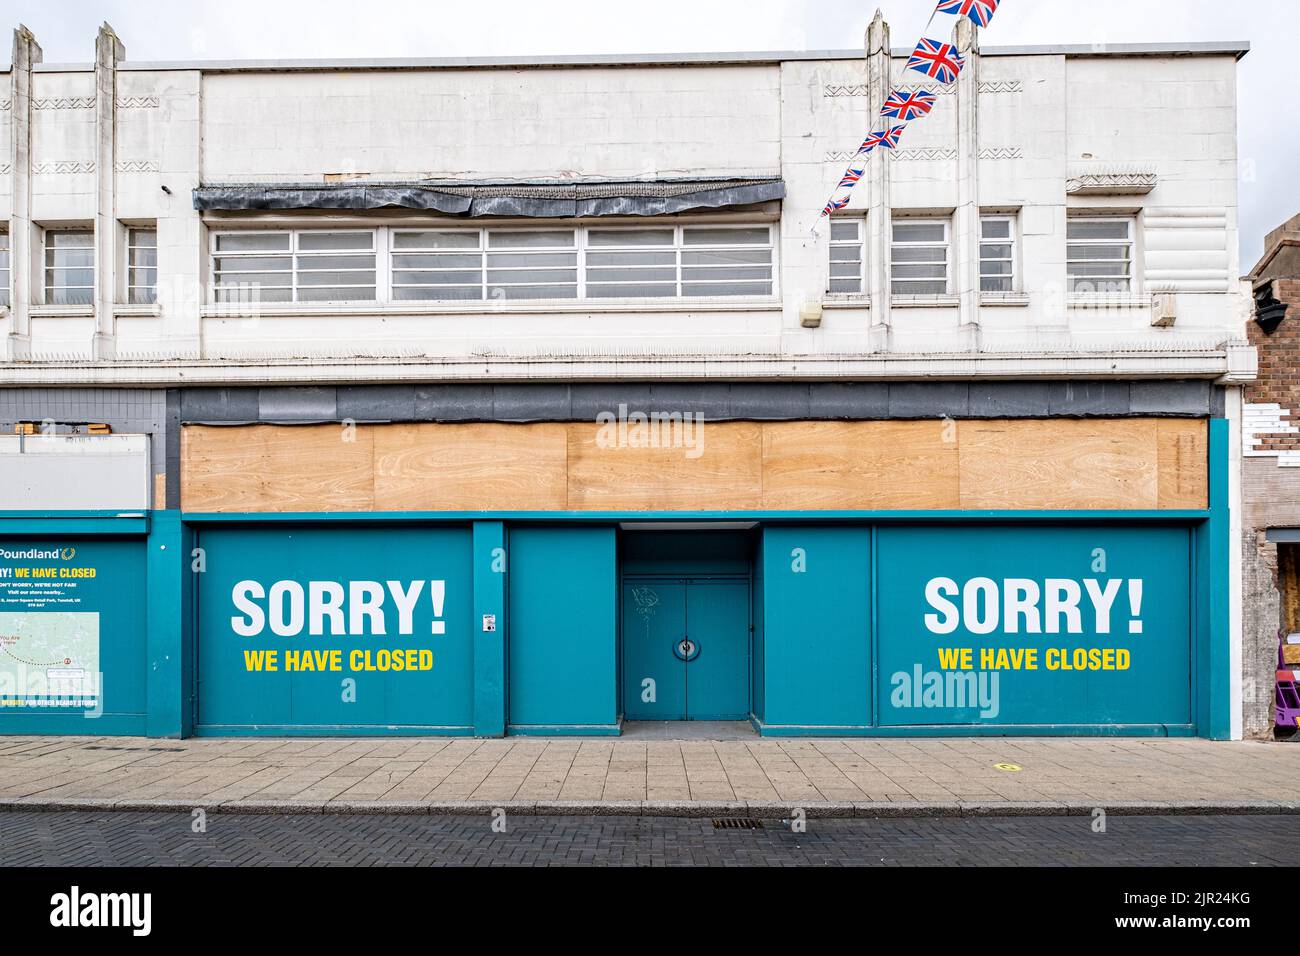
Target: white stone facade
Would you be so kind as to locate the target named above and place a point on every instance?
(1038, 135)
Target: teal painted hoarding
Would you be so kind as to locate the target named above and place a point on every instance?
(1034, 626)
(563, 630)
(816, 657)
(310, 629)
(72, 635)
(849, 615)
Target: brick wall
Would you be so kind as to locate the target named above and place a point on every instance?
(1270, 499)
(1279, 373)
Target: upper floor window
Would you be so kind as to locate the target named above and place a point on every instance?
(141, 266)
(919, 257)
(484, 264)
(685, 261)
(292, 266)
(1099, 255)
(848, 256)
(919, 250)
(506, 263)
(4, 268)
(997, 254)
(69, 267)
(632, 263)
(726, 260)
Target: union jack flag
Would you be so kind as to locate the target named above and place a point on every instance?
(887, 139)
(981, 11)
(835, 205)
(851, 178)
(908, 106)
(939, 61)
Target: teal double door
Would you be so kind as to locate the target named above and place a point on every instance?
(686, 649)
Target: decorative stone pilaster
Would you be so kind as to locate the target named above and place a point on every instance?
(109, 51)
(880, 78)
(966, 221)
(17, 340)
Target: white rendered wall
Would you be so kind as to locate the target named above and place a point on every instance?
(1040, 119)
(74, 472)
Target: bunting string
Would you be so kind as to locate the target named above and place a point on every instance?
(941, 63)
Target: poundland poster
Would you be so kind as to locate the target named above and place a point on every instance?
(49, 627)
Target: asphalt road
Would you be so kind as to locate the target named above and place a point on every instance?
(91, 838)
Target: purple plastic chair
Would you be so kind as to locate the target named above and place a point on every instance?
(1288, 694)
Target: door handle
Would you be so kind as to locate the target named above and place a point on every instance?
(686, 649)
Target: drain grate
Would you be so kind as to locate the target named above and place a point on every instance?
(737, 823)
(157, 750)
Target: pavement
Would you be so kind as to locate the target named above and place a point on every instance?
(850, 777)
(116, 838)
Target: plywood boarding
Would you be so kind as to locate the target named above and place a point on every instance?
(1288, 584)
(1184, 449)
(1061, 464)
(473, 467)
(1071, 464)
(383, 468)
(723, 473)
(821, 466)
(277, 468)
(1058, 464)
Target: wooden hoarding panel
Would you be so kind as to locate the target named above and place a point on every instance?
(1062, 464)
(471, 467)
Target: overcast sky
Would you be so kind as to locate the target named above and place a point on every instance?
(237, 29)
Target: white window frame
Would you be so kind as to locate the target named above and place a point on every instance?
(47, 290)
(679, 248)
(131, 247)
(860, 244)
(1130, 242)
(294, 252)
(683, 247)
(6, 272)
(1012, 240)
(213, 254)
(308, 254)
(674, 248)
(484, 250)
(575, 248)
(946, 222)
(385, 249)
(391, 250)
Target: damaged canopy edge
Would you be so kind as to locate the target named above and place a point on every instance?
(493, 201)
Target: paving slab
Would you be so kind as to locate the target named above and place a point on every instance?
(659, 776)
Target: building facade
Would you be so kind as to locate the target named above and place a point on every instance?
(486, 397)
(1271, 491)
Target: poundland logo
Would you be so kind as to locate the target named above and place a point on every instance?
(38, 554)
(75, 908)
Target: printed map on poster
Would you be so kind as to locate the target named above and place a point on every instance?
(46, 655)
